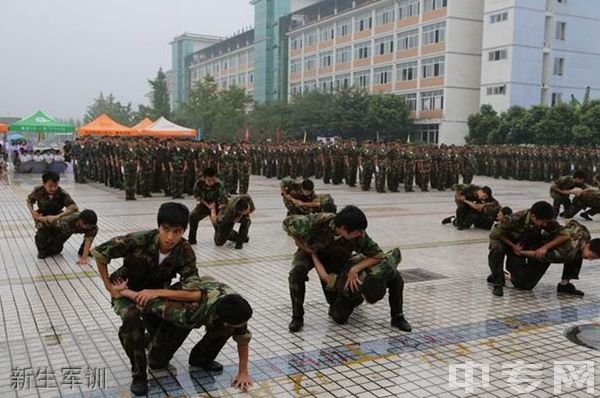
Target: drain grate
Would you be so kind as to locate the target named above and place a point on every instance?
(413, 275)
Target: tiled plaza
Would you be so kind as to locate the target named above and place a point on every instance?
(58, 334)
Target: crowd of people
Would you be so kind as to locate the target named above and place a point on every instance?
(158, 315)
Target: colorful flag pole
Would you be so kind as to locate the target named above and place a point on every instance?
(247, 135)
(304, 140)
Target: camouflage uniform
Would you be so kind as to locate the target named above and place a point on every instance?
(527, 272)
(130, 168)
(518, 227)
(564, 183)
(50, 239)
(317, 231)
(386, 270)
(202, 192)
(467, 216)
(409, 170)
(366, 168)
(177, 163)
(140, 253)
(381, 165)
(226, 221)
(294, 189)
(181, 317)
(50, 206)
(588, 199)
(243, 165)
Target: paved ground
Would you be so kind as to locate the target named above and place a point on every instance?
(58, 334)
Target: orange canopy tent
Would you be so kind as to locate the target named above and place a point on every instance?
(142, 125)
(165, 128)
(3, 128)
(104, 125)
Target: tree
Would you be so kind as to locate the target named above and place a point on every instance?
(229, 114)
(590, 118)
(349, 118)
(160, 96)
(482, 124)
(311, 112)
(389, 116)
(200, 110)
(556, 128)
(583, 135)
(116, 110)
(266, 118)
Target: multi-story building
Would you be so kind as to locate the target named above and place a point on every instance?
(428, 51)
(182, 47)
(230, 62)
(539, 52)
(445, 57)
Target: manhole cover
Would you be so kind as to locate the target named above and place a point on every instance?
(585, 335)
(413, 275)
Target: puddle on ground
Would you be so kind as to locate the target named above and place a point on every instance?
(585, 335)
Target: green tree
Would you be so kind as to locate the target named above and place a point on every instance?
(389, 116)
(266, 118)
(200, 110)
(482, 124)
(556, 128)
(160, 96)
(350, 110)
(311, 112)
(582, 135)
(590, 118)
(229, 114)
(119, 112)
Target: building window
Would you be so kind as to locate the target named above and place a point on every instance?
(233, 62)
(362, 79)
(498, 55)
(411, 101)
(363, 23)
(326, 85)
(250, 57)
(501, 17)
(427, 133)
(251, 77)
(561, 28)
(310, 86)
(431, 5)
(496, 90)
(408, 71)
(561, 1)
(385, 16)
(362, 50)
(559, 66)
(310, 63)
(343, 55)
(296, 89)
(432, 100)
(408, 9)
(326, 60)
(408, 40)
(556, 98)
(344, 28)
(295, 65)
(342, 81)
(310, 38)
(383, 75)
(384, 46)
(242, 79)
(327, 33)
(433, 67)
(435, 33)
(225, 65)
(296, 42)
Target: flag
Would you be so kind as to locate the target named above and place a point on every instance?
(304, 141)
(377, 137)
(247, 135)
(277, 136)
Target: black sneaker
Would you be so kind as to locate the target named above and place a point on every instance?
(239, 245)
(447, 220)
(569, 288)
(296, 324)
(139, 386)
(586, 216)
(498, 291)
(401, 323)
(212, 366)
(41, 256)
(490, 279)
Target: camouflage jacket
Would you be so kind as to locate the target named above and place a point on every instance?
(572, 249)
(139, 251)
(518, 227)
(215, 194)
(294, 189)
(317, 231)
(228, 214)
(68, 226)
(50, 206)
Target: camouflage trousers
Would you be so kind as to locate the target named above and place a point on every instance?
(344, 303)
(50, 242)
(409, 176)
(130, 177)
(525, 273)
(380, 179)
(197, 215)
(244, 181)
(225, 232)
(132, 335)
(392, 178)
(177, 180)
(145, 179)
(366, 175)
(559, 200)
(578, 205)
(351, 174)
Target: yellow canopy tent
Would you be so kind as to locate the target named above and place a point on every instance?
(142, 125)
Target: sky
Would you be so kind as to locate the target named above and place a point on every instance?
(58, 55)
